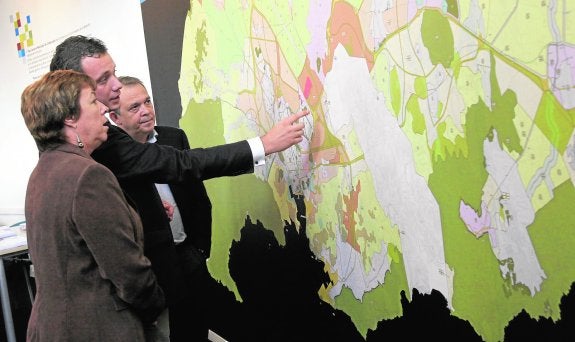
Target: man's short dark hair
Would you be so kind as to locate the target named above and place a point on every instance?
(69, 53)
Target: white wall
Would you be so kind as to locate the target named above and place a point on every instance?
(117, 22)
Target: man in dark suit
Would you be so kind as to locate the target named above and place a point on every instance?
(191, 219)
(138, 166)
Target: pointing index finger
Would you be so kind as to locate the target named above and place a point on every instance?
(300, 115)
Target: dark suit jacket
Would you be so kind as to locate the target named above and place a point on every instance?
(138, 166)
(86, 245)
(191, 196)
(131, 160)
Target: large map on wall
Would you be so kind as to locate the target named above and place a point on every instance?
(439, 156)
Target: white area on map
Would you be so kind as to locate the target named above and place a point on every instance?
(474, 21)
(350, 269)
(483, 65)
(429, 105)
(527, 92)
(447, 91)
(292, 160)
(543, 174)
(511, 212)
(377, 26)
(402, 193)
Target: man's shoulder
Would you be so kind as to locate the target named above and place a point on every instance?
(115, 130)
(116, 137)
(168, 135)
(169, 129)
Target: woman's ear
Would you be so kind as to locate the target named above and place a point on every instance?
(71, 122)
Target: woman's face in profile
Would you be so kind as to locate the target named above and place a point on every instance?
(90, 124)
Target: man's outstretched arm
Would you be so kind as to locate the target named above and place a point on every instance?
(130, 160)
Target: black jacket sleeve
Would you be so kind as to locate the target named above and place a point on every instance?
(134, 161)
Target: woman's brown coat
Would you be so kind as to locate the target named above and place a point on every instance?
(93, 281)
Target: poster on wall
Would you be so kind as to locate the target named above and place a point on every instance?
(29, 33)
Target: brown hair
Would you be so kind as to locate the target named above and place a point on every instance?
(49, 101)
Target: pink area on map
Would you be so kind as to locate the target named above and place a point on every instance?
(561, 70)
(475, 224)
(307, 87)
